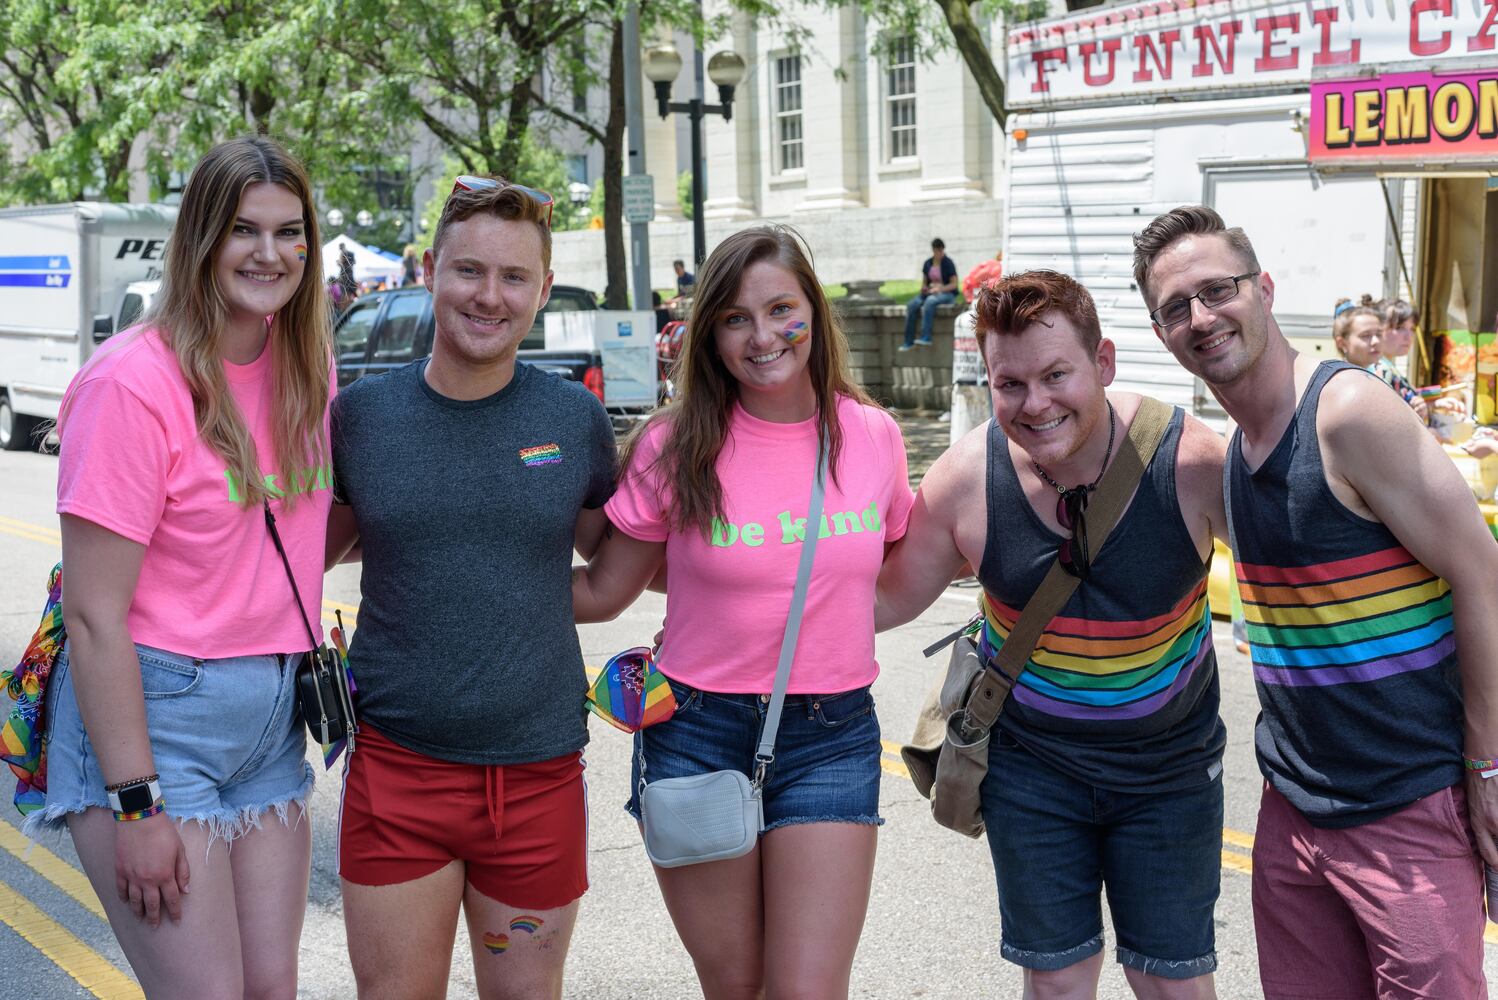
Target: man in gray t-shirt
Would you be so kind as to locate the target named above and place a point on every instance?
(466, 480)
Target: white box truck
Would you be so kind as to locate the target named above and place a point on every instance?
(65, 274)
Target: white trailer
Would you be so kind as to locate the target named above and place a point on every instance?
(1128, 110)
(64, 272)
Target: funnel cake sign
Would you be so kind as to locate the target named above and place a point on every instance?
(1180, 48)
(1405, 117)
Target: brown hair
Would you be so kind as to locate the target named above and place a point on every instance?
(705, 391)
(1396, 312)
(507, 201)
(191, 313)
(1013, 304)
(1342, 321)
(1187, 220)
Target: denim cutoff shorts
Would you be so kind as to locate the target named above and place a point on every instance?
(1057, 841)
(226, 737)
(827, 752)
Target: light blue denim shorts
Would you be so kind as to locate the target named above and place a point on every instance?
(226, 737)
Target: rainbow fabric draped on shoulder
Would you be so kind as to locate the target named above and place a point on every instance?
(27, 685)
(631, 693)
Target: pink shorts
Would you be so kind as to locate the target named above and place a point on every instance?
(1390, 909)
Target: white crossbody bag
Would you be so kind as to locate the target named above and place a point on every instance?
(720, 814)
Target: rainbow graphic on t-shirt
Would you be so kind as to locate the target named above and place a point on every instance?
(541, 454)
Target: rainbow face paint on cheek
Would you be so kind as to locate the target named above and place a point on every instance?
(301, 252)
(796, 332)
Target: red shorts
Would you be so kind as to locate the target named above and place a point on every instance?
(1390, 909)
(521, 830)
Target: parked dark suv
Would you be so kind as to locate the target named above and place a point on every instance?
(384, 330)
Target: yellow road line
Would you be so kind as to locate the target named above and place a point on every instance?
(30, 534)
(54, 869)
(1243, 840)
(39, 529)
(93, 971)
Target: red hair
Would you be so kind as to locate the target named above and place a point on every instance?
(1012, 305)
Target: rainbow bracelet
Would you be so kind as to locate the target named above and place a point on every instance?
(1484, 768)
(146, 813)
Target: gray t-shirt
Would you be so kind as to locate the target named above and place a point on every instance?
(466, 649)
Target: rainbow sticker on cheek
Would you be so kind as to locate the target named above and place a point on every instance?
(301, 252)
(796, 332)
(496, 943)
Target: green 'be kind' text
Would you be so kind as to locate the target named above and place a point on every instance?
(793, 529)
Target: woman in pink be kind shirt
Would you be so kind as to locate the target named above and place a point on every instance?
(172, 716)
(717, 487)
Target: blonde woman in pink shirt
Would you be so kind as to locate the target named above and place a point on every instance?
(716, 486)
(173, 731)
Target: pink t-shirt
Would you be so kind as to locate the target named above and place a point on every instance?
(211, 584)
(727, 597)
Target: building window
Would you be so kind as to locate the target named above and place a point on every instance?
(787, 103)
(899, 99)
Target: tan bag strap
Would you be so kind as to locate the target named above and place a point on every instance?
(1103, 511)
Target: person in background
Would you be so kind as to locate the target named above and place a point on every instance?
(716, 486)
(346, 273)
(1398, 338)
(408, 265)
(1358, 331)
(177, 754)
(661, 310)
(685, 281)
(938, 288)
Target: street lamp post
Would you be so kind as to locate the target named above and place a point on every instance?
(726, 70)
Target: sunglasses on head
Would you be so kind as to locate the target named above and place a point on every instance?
(470, 182)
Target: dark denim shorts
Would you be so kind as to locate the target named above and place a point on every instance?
(1057, 841)
(827, 752)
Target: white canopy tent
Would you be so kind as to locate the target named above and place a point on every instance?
(368, 265)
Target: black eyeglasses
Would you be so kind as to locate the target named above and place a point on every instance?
(1177, 311)
(1075, 557)
(470, 182)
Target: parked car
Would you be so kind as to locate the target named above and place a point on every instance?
(384, 330)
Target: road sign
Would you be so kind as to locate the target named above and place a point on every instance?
(639, 198)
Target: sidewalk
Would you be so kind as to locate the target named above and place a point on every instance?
(925, 439)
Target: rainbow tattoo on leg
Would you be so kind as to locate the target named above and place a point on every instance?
(795, 332)
(496, 943)
(526, 923)
(301, 252)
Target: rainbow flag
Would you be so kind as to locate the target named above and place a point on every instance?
(21, 734)
(631, 693)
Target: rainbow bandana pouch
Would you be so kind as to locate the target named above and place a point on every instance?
(631, 693)
(26, 684)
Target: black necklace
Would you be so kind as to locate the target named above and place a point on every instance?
(1112, 426)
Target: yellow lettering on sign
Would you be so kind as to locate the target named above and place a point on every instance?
(1365, 116)
(1487, 106)
(1337, 133)
(1407, 114)
(1453, 109)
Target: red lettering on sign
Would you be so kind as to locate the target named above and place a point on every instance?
(1204, 37)
(1483, 40)
(1110, 48)
(1041, 58)
(1168, 39)
(1325, 17)
(1418, 45)
(1267, 26)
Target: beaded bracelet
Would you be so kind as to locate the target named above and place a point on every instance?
(133, 781)
(146, 813)
(1484, 768)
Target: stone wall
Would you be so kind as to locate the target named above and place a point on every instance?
(917, 379)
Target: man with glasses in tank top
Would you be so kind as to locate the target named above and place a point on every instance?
(1370, 585)
(1105, 763)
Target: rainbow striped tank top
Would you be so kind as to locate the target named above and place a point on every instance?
(1354, 653)
(1121, 690)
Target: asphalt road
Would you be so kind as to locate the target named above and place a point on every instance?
(933, 926)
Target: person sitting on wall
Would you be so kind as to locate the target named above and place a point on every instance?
(685, 280)
(938, 287)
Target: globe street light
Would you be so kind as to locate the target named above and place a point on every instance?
(335, 218)
(726, 69)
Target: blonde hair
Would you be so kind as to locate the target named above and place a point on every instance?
(706, 390)
(191, 314)
(1343, 319)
